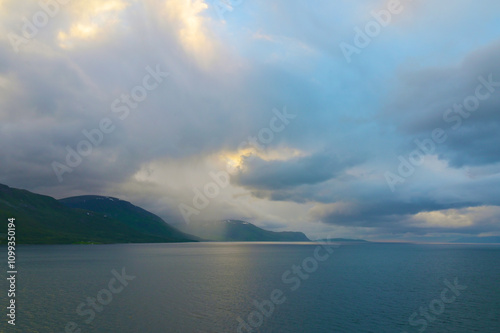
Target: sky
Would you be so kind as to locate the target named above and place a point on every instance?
(363, 119)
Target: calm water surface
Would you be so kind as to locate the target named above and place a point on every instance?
(206, 287)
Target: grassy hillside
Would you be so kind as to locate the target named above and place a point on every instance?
(42, 219)
(132, 216)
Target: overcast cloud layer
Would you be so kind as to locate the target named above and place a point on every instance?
(396, 138)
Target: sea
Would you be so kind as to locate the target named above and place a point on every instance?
(254, 287)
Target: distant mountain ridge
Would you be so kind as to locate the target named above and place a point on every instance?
(240, 231)
(41, 219)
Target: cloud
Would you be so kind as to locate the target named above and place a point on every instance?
(278, 174)
(446, 98)
(191, 29)
(91, 20)
(323, 173)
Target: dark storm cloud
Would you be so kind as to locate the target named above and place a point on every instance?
(446, 98)
(277, 175)
(387, 213)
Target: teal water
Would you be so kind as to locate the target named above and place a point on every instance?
(219, 287)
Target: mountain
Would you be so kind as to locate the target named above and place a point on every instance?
(132, 216)
(479, 240)
(42, 219)
(240, 231)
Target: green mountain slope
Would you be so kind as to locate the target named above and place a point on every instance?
(240, 231)
(42, 219)
(130, 215)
